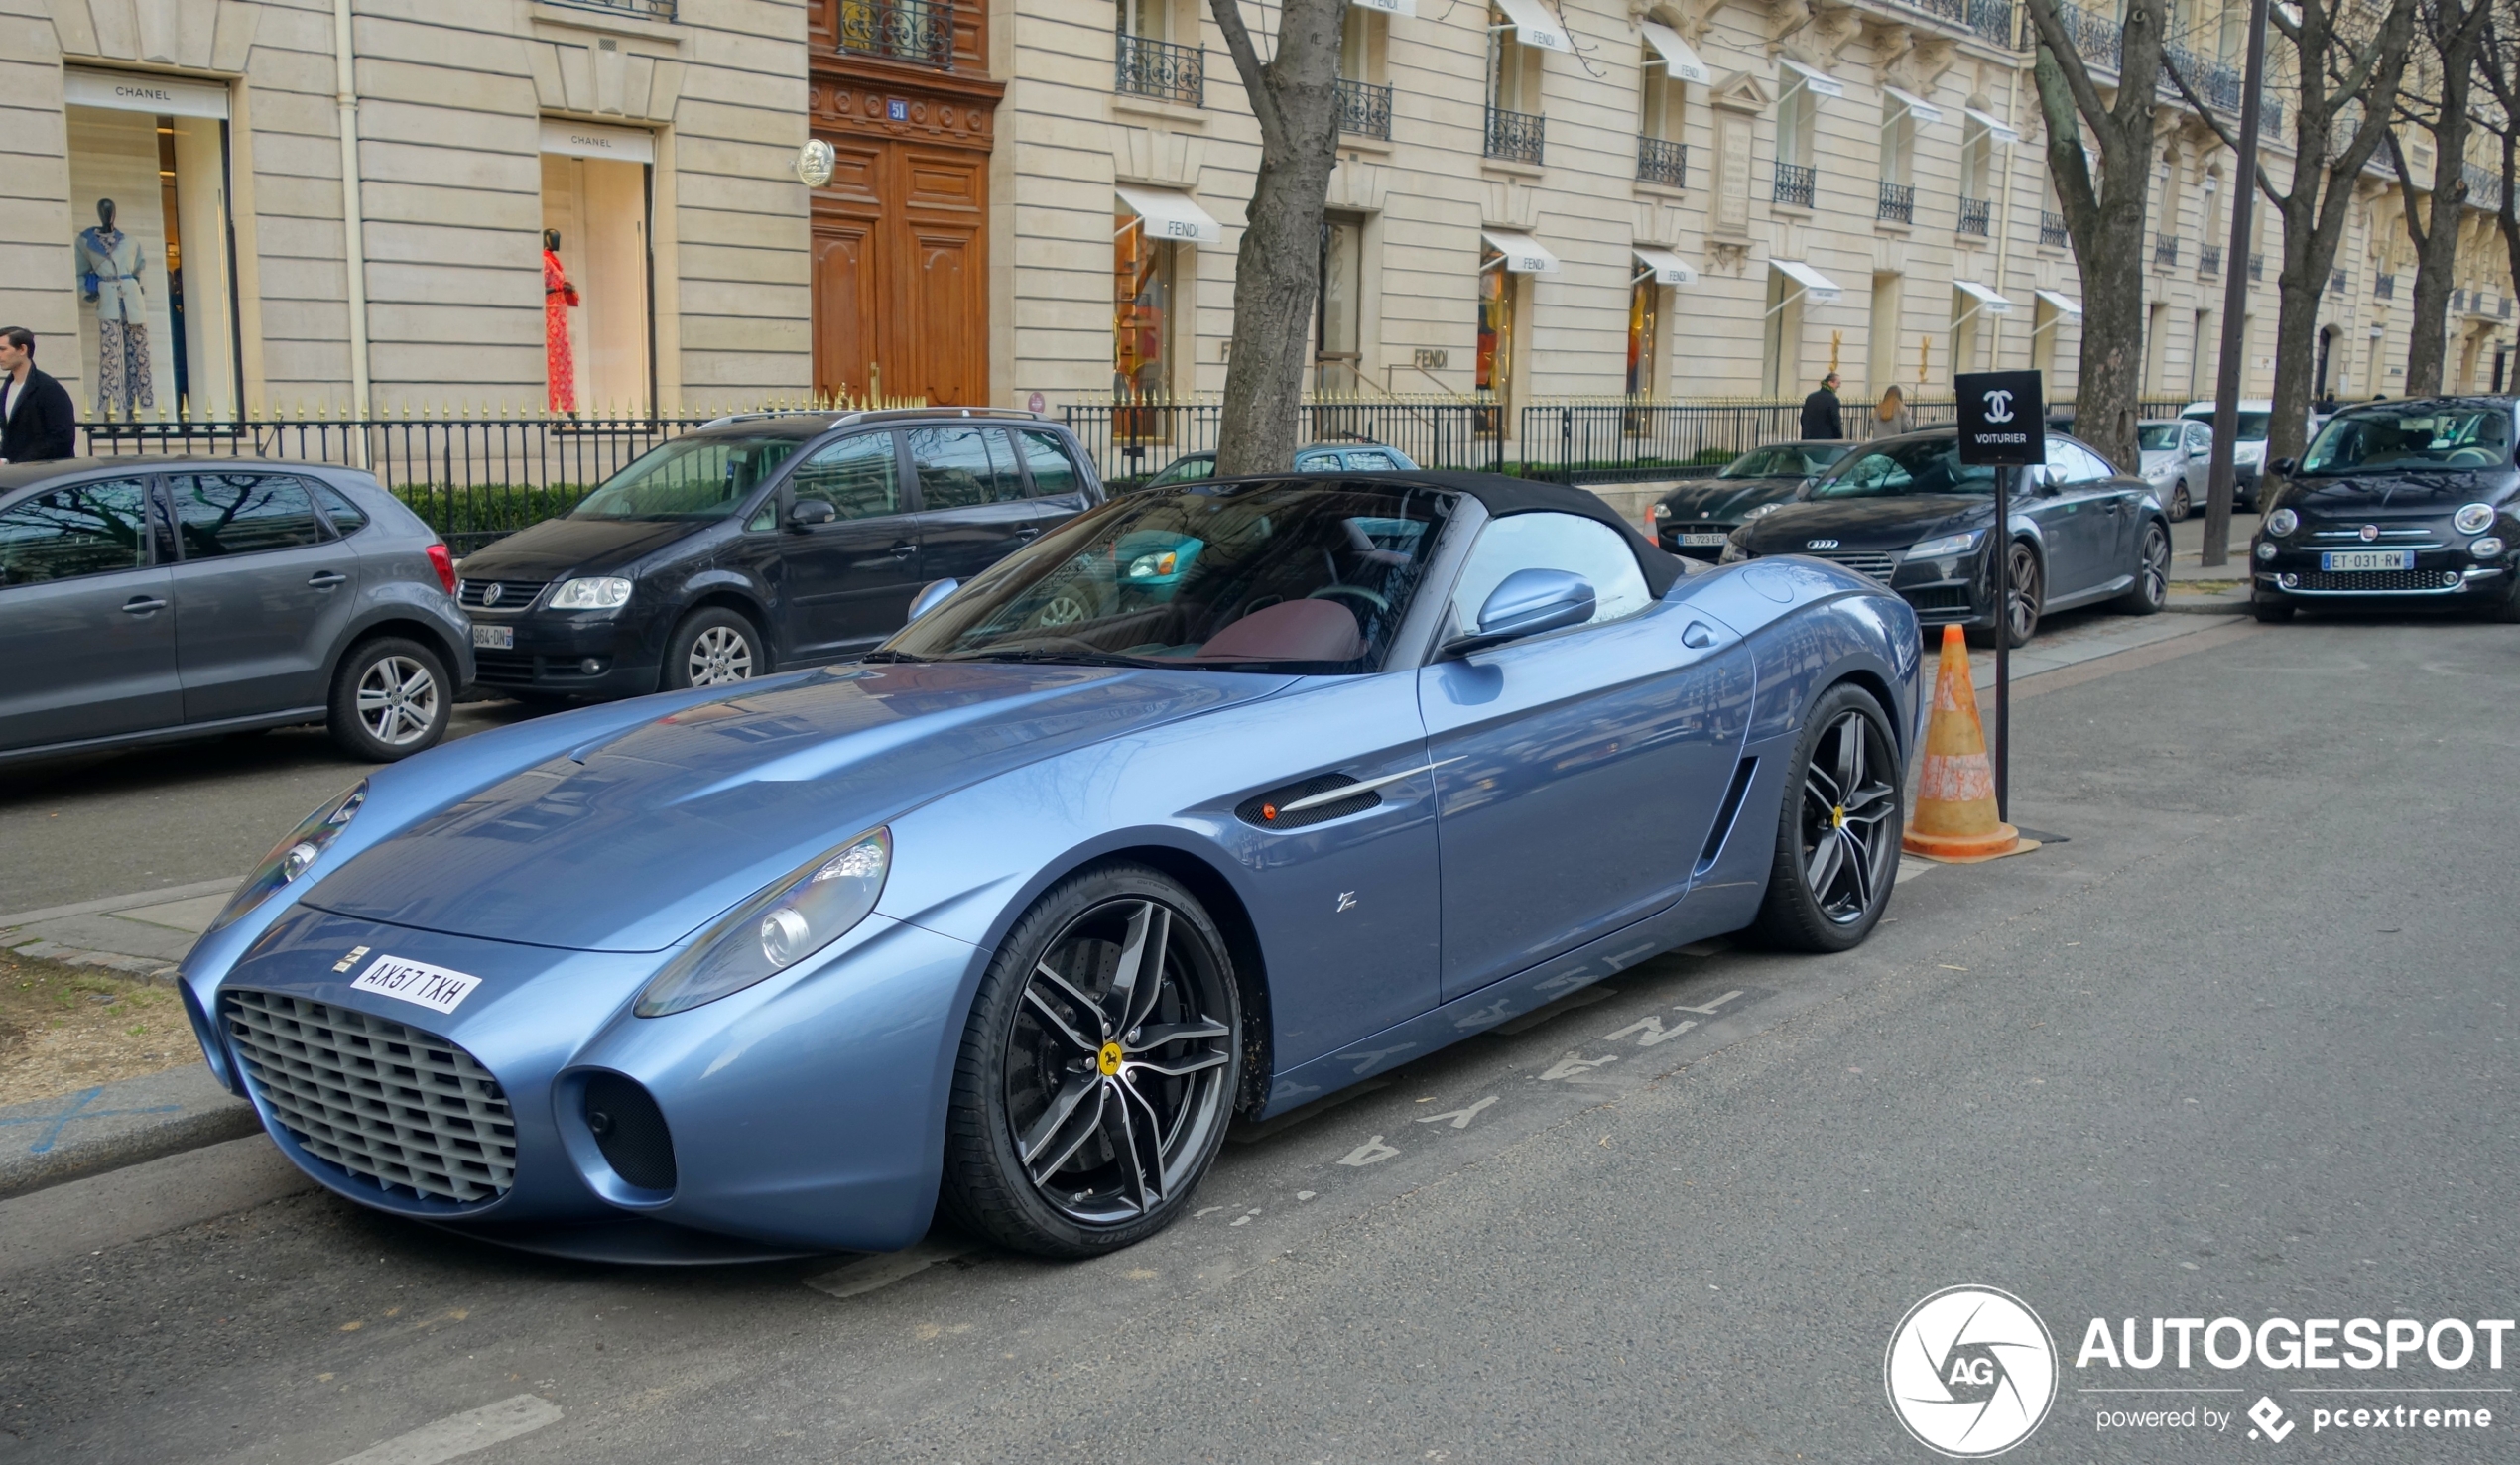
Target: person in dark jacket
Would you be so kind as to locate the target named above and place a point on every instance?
(1819, 412)
(38, 424)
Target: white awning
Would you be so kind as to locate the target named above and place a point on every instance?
(1388, 7)
(1668, 268)
(1818, 286)
(1523, 254)
(2064, 305)
(122, 91)
(1170, 214)
(1987, 300)
(1819, 81)
(1535, 25)
(1996, 127)
(1918, 107)
(1678, 57)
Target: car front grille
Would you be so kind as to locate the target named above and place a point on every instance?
(402, 1109)
(2391, 539)
(1939, 598)
(1876, 565)
(505, 667)
(2373, 581)
(513, 594)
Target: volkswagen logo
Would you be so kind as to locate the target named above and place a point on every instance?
(490, 594)
(1970, 1372)
(2369, 531)
(1819, 543)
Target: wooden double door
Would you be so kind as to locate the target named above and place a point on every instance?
(901, 272)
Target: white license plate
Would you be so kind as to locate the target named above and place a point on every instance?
(494, 638)
(1702, 541)
(2366, 559)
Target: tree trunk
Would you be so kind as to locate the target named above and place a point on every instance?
(2458, 34)
(1277, 269)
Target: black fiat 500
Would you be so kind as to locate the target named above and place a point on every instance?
(1698, 515)
(2405, 502)
(757, 544)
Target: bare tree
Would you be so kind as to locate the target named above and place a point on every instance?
(2502, 54)
(2341, 75)
(2104, 219)
(2455, 37)
(1295, 97)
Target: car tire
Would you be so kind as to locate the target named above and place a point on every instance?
(2270, 611)
(1837, 833)
(2181, 506)
(713, 647)
(1055, 1078)
(390, 698)
(2151, 590)
(2029, 598)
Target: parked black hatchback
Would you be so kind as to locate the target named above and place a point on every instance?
(762, 543)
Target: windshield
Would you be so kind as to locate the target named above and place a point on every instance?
(689, 478)
(2415, 437)
(2158, 436)
(1189, 469)
(1783, 460)
(2252, 425)
(1924, 465)
(1311, 576)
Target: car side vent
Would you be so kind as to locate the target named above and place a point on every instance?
(1268, 810)
(630, 1131)
(1716, 838)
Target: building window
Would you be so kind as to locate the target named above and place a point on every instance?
(596, 336)
(1797, 117)
(919, 31)
(1977, 177)
(1881, 346)
(1499, 299)
(1365, 98)
(1898, 162)
(1967, 313)
(1143, 272)
(1661, 159)
(1781, 365)
(1643, 336)
(1339, 306)
(1514, 124)
(1146, 63)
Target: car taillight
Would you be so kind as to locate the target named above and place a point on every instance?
(444, 563)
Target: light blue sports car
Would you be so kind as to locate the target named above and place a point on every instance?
(1205, 804)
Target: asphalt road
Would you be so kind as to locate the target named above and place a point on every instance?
(2243, 1046)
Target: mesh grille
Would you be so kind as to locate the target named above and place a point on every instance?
(1876, 565)
(1939, 598)
(513, 594)
(406, 1109)
(2376, 581)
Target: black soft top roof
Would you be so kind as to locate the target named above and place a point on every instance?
(1502, 495)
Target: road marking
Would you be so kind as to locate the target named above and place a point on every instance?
(1460, 1117)
(1569, 1067)
(867, 1273)
(461, 1434)
(1910, 870)
(1563, 1004)
(1368, 1152)
(1708, 1010)
(1651, 1031)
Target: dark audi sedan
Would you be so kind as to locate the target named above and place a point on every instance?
(762, 543)
(1907, 512)
(2396, 502)
(1697, 517)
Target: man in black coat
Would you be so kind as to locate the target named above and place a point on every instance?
(1819, 412)
(38, 424)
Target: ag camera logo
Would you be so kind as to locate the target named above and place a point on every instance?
(1970, 1372)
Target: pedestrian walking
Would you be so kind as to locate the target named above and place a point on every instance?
(38, 423)
(1821, 418)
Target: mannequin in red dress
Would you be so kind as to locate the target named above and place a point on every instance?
(559, 363)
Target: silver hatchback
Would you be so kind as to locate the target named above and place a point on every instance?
(150, 600)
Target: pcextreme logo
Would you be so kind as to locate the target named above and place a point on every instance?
(1970, 1372)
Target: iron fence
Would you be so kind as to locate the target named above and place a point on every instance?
(2209, 259)
(1516, 137)
(1630, 439)
(1661, 161)
(1898, 203)
(919, 31)
(1795, 184)
(2052, 230)
(1364, 109)
(1132, 441)
(2166, 252)
(1977, 216)
(1160, 69)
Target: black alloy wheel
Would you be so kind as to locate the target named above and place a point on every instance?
(2181, 506)
(1837, 834)
(2025, 598)
(2151, 590)
(1099, 1071)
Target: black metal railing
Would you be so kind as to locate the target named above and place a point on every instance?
(1991, 20)
(1977, 216)
(1515, 137)
(1635, 439)
(2209, 259)
(2484, 186)
(1661, 161)
(2335, 282)
(2384, 287)
(655, 10)
(1795, 184)
(1898, 203)
(2257, 267)
(1160, 69)
(2166, 252)
(1364, 109)
(2052, 230)
(1130, 441)
(919, 31)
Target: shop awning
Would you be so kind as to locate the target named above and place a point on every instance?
(1523, 254)
(1819, 81)
(1170, 214)
(1388, 7)
(1818, 286)
(1535, 25)
(1678, 57)
(1918, 107)
(2064, 305)
(1996, 127)
(1988, 299)
(1668, 268)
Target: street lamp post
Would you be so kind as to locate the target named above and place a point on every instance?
(2235, 292)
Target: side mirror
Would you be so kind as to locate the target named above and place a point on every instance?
(807, 513)
(1529, 602)
(2284, 467)
(931, 596)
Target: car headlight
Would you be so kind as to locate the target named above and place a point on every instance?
(603, 592)
(1761, 512)
(2283, 522)
(2265, 550)
(292, 856)
(2472, 518)
(1950, 543)
(2488, 548)
(1662, 511)
(799, 915)
(1154, 567)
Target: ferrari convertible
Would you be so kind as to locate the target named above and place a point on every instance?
(1207, 803)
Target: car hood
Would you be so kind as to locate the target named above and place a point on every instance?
(1892, 522)
(639, 837)
(2388, 495)
(558, 546)
(1727, 499)
(2155, 462)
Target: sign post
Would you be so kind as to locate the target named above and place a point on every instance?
(2003, 424)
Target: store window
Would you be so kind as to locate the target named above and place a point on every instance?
(1644, 336)
(152, 248)
(1338, 314)
(1500, 290)
(597, 341)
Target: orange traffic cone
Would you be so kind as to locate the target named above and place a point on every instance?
(1956, 818)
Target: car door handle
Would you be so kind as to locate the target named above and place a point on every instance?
(325, 579)
(141, 605)
(903, 551)
(1029, 532)
(1699, 635)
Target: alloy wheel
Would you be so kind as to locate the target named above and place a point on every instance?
(398, 700)
(2022, 603)
(720, 655)
(2155, 571)
(1848, 837)
(1116, 1069)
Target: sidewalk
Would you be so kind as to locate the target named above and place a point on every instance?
(142, 936)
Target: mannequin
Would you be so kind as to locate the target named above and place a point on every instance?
(559, 363)
(109, 262)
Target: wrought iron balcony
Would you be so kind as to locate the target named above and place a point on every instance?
(1977, 216)
(2166, 252)
(1663, 163)
(2484, 186)
(1161, 70)
(919, 31)
(1990, 19)
(2335, 282)
(2257, 267)
(1515, 137)
(1364, 109)
(2384, 287)
(2209, 259)
(1795, 184)
(2052, 230)
(655, 10)
(1898, 203)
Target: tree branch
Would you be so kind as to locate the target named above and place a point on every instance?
(1254, 71)
(2078, 76)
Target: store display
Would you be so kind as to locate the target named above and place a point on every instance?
(559, 363)
(109, 265)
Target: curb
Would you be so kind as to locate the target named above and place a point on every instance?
(113, 1125)
(2207, 605)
